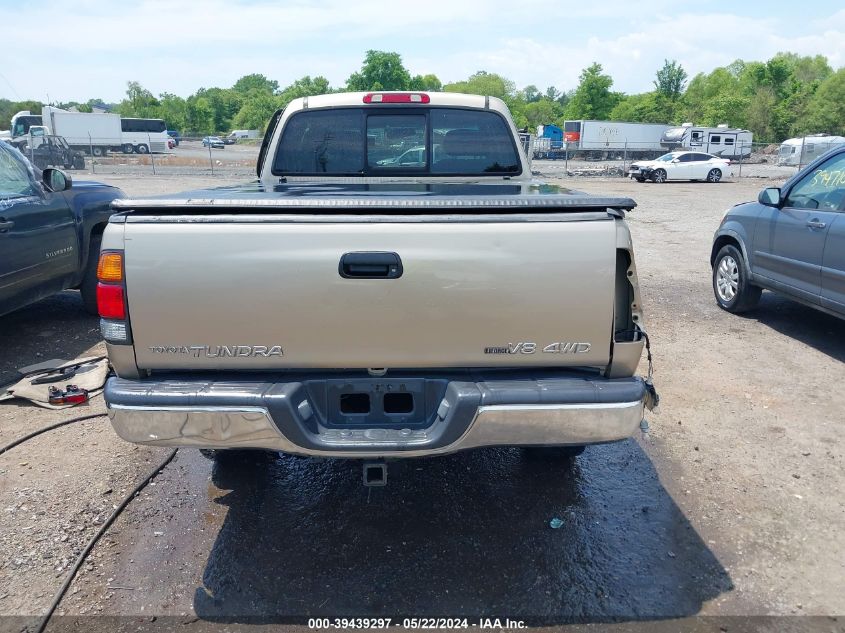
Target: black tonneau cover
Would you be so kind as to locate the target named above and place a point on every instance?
(388, 198)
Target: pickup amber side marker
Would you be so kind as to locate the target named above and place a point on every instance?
(111, 302)
(110, 267)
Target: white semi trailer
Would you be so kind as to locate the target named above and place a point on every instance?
(605, 139)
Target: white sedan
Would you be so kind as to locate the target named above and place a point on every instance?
(680, 166)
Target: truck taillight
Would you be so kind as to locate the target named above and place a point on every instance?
(111, 297)
(396, 97)
(110, 266)
(110, 301)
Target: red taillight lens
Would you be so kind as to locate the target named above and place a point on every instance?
(110, 301)
(396, 97)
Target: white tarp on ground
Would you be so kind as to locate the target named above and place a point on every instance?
(90, 374)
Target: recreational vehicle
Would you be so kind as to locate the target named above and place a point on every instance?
(722, 141)
(814, 145)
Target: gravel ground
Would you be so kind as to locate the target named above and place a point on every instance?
(732, 505)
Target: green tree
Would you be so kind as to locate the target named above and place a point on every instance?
(702, 89)
(256, 112)
(139, 101)
(531, 94)
(255, 83)
(224, 104)
(199, 116)
(761, 114)
(484, 83)
(727, 108)
(542, 112)
(807, 69)
(671, 79)
(174, 110)
(648, 107)
(428, 83)
(593, 98)
(9, 108)
(381, 71)
(304, 87)
(553, 94)
(826, 111)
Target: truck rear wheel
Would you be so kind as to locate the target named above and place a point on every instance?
(88, 287)
(127, 148)
(142, 149)
(98, 151)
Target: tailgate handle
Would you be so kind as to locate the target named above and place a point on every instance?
(373, 265)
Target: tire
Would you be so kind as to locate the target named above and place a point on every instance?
(731, 286)
(98, 151)
(142, 149)
(556, 453)
(88, 287)
(128, 149)
(659, 175)
(714, 175)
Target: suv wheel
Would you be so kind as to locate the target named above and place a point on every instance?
(733, 290)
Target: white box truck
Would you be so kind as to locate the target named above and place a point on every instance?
(86, 131)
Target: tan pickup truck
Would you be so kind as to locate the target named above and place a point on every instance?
(394, 284)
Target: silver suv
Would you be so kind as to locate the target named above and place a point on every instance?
(792, 241)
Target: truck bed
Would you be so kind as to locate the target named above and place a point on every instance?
(491, 276)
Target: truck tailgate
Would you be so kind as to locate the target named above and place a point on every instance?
(269, 294)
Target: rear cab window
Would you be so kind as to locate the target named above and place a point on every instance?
(393, 141)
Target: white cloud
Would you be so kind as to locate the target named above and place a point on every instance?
(699, 42)
(180, 45)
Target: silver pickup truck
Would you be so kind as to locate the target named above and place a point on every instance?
(364, 300)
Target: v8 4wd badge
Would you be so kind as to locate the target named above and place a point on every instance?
(529, 347)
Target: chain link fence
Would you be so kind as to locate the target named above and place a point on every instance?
(192, 156)
(748, 160)
(212, 156)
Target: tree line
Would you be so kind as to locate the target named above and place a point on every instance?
(788, 95)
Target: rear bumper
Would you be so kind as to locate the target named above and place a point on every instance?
(293, 416)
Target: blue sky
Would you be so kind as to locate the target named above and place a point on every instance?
(94, 47)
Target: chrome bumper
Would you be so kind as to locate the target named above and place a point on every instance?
(178, 413)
